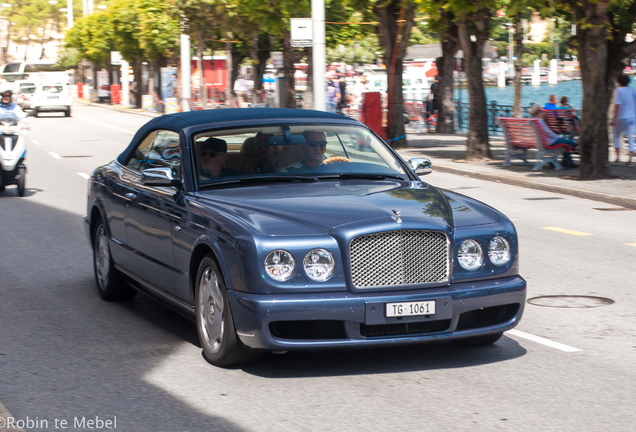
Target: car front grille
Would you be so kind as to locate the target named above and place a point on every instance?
(403, 257)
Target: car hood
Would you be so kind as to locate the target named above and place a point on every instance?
(318, 208)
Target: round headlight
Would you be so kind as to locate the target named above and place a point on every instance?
(499, 251)
(319, 265)
(470, 255)
(280, 265)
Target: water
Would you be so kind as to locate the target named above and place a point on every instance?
(534, 94)
(530, 94)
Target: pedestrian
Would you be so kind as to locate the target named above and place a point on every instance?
(624, 113)
(359, 89)
(432, 103)
(551, 104)
(342, 102)
(332, 94)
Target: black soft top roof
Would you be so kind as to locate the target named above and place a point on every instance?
(178, 121)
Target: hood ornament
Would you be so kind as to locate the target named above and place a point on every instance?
(397, 217)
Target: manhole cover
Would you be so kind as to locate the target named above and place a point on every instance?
(570, 301)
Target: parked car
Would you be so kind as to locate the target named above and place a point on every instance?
(274, 255)
(52, 97)
(23, 95)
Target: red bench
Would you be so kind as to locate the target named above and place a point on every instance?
(562, 122)
(523, 134)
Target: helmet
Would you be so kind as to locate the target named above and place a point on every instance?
(6, 88)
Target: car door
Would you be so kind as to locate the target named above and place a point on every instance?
(151, 211)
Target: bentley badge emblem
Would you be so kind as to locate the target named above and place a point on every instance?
(397, 217)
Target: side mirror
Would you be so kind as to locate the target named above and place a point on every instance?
(421, 166)
(159, 177)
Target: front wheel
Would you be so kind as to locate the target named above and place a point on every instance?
(21, 181)
(110, 283)
(67, 113)
(215, 325)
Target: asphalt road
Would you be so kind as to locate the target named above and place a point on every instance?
(69, 361)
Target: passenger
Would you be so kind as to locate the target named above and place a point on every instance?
(624, 112)
(551, 105)
(213, 157)
(553, 139)
(266, 156)
(314, 153)
(565, 104)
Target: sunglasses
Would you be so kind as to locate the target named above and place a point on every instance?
(211, 154)
(4, 95)
(313, 144)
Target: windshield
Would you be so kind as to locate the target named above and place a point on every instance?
(284, 152)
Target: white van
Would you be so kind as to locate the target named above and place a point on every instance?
(52, 97)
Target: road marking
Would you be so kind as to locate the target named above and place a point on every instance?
(630, 244)
(84, 175)
(566, 231)
(127, 131)
(543, 341)
(55, 155)
(35, 142)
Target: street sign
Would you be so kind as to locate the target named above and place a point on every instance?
(277, 59)
(301, 32)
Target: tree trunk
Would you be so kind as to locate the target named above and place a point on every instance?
(445, 67)
(598, 81)
(289, 96)
(396, 22)
(475, 24)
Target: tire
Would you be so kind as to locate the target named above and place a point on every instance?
(67, 113)
(111, 285)
(215, 325)
(476, 341)
(21, 178)
(2, 188)
(35, 112)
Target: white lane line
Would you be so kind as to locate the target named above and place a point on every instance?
(55, 155)
(83, 175)
(127, 131)
(35, 142)
(543, 341)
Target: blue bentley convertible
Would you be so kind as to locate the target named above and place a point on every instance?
(283, 229)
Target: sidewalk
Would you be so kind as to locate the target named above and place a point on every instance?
(447, 152)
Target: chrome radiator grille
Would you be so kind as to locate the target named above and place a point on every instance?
(402, 257)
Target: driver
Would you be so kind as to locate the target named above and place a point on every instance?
(314, 153)
(7, 106)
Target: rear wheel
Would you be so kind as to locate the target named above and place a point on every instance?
(67, 113)
(35, 112)
(215, 325)
(21, 177)
(110, 283)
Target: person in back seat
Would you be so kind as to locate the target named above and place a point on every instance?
(266, 156)
(213, 157)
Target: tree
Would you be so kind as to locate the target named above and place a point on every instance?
(443, 20)
(473, 22)
(601, 28)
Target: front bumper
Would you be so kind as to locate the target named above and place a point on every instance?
(324, 320)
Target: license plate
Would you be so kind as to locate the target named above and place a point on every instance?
(406, 309)
(53, 97)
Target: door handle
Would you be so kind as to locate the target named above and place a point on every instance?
(131, 196)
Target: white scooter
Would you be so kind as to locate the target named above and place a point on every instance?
(12, 152)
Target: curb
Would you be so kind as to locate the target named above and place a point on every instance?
(534, 184)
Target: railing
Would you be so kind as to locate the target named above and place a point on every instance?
(493, 110)
(461, 114)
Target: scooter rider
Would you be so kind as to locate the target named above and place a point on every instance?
(6, 105)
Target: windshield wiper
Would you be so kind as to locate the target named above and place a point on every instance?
(261, 179)
(366, 176)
